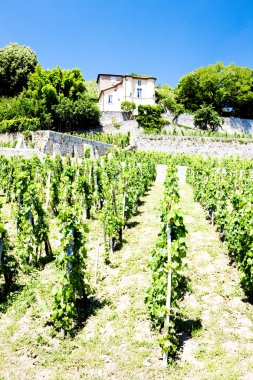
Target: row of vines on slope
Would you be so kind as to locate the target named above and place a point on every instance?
(67, 193)
(225, 189)
(119, 139)
(167, 264)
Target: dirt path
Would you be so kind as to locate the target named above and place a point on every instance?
(120, 332)
(221, 346)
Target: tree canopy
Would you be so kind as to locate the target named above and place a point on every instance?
(52, 99)
(207, 118)
(16, 63)
(165, 96)
(150, 118)
(92, 88)
(218, 85)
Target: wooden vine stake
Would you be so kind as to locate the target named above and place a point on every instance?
(115, 211)
(168, 299)
(1, 250)
(124, 195)
(48, 189)
(212, 217)
(111, 245)
(97, 258)
(68, 265)
(104, 231)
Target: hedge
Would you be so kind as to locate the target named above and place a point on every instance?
(20, 124)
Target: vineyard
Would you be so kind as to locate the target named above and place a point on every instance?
(110, 268)
(119, 139)
(225, 191)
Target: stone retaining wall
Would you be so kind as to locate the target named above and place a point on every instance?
(231, 124)
(113, 117)
(206, 146)
(24, 152)
(53, 143)
(49, 142)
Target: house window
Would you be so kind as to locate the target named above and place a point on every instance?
(113, 79)
(139, 92)
(139, 82)
(110, 98)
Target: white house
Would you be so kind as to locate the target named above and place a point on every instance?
(114, 89)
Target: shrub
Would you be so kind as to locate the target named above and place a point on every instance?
(19, 125)
(128, 106)
(8, 144)
(149, 117)
(207, 118)
(87, 153)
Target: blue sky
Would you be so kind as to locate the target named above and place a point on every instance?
(162, 38)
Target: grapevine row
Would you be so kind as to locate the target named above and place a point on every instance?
(68, 193)
(167, 264)
(225, 189)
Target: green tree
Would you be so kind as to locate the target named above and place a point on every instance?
(202, 86)
(56, 99)
(149, 117)
(220, 86)
(23, 107)
(165, 96)
(79, 114)
(62, 95)
(68, 83)
(207, 118)
(16, 63)
(92, 88)
(238, 90)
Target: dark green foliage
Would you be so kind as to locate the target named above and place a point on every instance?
(72, 283)
(8, 262)
(220, 86)
(149, 117)
(24, 107)
(19, 125)
(72, 115)
(16, 63)
(57, 98)
(165, 96)
(225, 188)
(48, 84)
(207, 118)
(63, 96)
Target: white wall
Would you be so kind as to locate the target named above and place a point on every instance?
(127, 91)
(231, 124)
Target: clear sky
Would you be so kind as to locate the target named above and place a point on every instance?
(161, 38)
